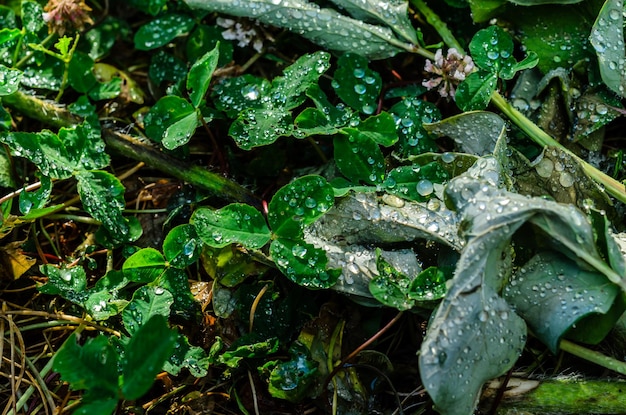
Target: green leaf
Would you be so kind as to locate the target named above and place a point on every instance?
(146, 303)
(323, 26)
(429, 285)
(185, 355)
(607, 38)
(172, 119)
(9, 80)
(146, 353)
(92, 366)
(303, 263)
(261, 126)
(180, 132)
(181, 246)
(380, 128)
(356, 84)
(144, 265)
(474, 93)
(415, 182)
(292, 380)
(475, 132)
(410, 115)
(492, 50)
(166, 67)
(152, 7)
(8, 34)
(235, 223)
(299, 204)
(80, 74)
(233, 95)
(69, 283)
(393, 14)
(359, 158)
(200, 74)
(391, 286)
(205, 38)
(101, 38)
(102, 196)
(270, 117)
(162, 30)
(553, 294)
(176, 281)
(232, 358)
(559, 35)
(37, 199)
(32, 13)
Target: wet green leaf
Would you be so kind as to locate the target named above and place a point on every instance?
(559, 35)
(233, 95)
(410, 115)
(474, 132)
(90, 366)
(146, 302)
(180, 132)
(9, 80)
(393, 14)
(204, 39)
(8, 34)
(474, 93)
(172, 119)
(429, 285)
(415, 182)
(380, 128)
(37, 199)
(325, 27)
(299, 204)
(46, 75)
(31, 15)
(80, 74)
(229, 266)
(144, 265)
(176, 281)
(146, 353)
(356, 84)
(102, 196)
(185, 355)
(165, 67)
(292, 380)
(264, 122)
(162, 30)
(69, 283)
(391, 286)
(181, 246)
(359, 158)
(492, 50)
(607, 38)
(232, 358)
(260, 127)
(235, 223)
(100, 39)
(553, 294)
(303, 263)
(200, 75)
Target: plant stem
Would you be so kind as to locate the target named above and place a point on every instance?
(433, 19)
(593, 356)
(539, 136)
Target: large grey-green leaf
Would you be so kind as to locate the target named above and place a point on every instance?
(323, 26)
(392, 13)
(552, 294)
(607, 38)
(350, 231)
(475, 132)
(474, 334)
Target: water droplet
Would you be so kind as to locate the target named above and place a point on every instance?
(424, 187)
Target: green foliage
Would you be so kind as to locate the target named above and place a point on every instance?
(492, 52)
(94, 368)
(412, 212)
